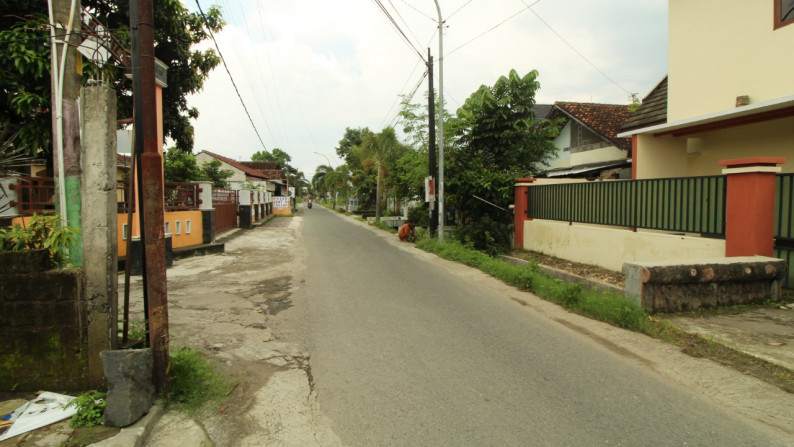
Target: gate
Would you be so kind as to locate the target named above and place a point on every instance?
(224, 201)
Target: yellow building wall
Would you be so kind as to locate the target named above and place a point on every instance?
(721, 49)
(768, 139)
(660, 157)
(184, 239)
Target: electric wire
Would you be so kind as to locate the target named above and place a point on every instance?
(574, 49)
(493, 28)
(231, 78)
(458, 10)
(404, 22)
(420, 12)
(397, 27)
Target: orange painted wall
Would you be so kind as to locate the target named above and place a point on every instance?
(183, 239)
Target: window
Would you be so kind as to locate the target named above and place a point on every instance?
(784, 13)
(167, 227)
(124, 230)
(187, 226)
(178, 227)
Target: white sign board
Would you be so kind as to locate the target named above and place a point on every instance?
(280, 202)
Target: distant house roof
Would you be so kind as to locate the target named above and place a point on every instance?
(123, 161)
(542, 111)
(261, 165)
(603, 119)
(653, 110)
(250, 172)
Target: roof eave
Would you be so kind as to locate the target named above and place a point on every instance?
(776, 108)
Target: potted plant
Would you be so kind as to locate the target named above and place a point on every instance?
(40, 244)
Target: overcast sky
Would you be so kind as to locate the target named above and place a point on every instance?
(307, 69)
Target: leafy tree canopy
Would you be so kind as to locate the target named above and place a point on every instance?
(180, 166)
(211, 171)
(25, 58)
(497, 141)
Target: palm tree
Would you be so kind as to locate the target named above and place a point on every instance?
(318, 180)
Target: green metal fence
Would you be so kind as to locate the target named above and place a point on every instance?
(784, 223)
(685, 205)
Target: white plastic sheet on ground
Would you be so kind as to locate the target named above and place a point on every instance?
(44, 410)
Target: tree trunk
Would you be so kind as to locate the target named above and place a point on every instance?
(377, 196)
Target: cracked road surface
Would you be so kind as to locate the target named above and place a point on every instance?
(225, 305)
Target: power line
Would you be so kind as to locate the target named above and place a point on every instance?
(493, 28)
(574, 49)
(388, 113)
(397, 27)
(230, 75)
(420, 12)
(404, 22)
(458, 10)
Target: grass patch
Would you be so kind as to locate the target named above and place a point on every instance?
(379, 223)
(614, 309)
(604, 306)
(195, 381)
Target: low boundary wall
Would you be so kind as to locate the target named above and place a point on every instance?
(610, 247)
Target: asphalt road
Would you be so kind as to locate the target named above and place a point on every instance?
(406, 351)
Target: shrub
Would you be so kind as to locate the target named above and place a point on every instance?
(90, 409)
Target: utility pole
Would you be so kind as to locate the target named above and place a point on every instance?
(150, 188)
(431, 130)
(65, 23)
(440, 186)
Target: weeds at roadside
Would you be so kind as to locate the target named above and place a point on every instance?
(90, 408)
(605, 306)
(379, 223)
(614, 309)
(195, 382)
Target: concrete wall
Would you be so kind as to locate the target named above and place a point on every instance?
(721, 49)
(610, 247)
(43, 331)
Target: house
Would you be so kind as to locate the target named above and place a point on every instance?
(588, 145)
(728, 93)
(272, 178)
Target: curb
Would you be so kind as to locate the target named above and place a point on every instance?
(136, 434)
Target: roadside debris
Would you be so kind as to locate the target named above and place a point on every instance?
(48, 408)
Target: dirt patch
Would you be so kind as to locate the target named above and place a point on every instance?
(583, 270)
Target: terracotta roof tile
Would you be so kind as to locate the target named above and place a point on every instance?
(604, 119)
(247, 170)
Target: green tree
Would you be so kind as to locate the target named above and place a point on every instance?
(211, 171)
(180, 166)
(379, 151)
(350, 140)
(25, 58)
(24, 75)
(497, 141)
(261, 156)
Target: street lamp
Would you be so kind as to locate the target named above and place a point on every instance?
(440, 125)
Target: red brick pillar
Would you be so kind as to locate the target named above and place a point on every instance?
(750, 207)
(520, 209)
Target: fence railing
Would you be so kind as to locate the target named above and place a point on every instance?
(686, 205)
(784, 223)
(224, 196)
(34, 194)
(181, 196)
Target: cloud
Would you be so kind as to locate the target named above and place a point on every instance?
(307, 69)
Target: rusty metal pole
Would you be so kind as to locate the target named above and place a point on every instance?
(151, 202)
